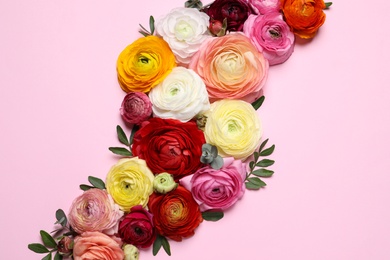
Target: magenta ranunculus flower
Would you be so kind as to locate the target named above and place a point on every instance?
(217, 189)
(136, 108)
(94, 210)
(265, 6)
(271, 36)
(137, 228)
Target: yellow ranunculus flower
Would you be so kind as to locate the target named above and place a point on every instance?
(144, 64)
(130, 182)
(233, 127)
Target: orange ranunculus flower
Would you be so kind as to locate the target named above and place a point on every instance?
(144, 63)
(304, 17)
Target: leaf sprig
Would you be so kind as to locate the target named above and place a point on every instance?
(258, 166)
(96, 183)
(122, 137)
(49, 246)
(161, 241)
(146, 32)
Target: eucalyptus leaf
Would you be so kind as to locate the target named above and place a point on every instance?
(121, 135)
(257, 103)
(58, 256)
(263, 173)
(96, 182)
(217, 163)
(61, 217)
(151, 24)
(47, 239)
(212, 215)
(48, 257)
(157, 244)
(120, 151)
(166, 245)
(251, 186)
(265, 163)
(263, 144)
(268, 151)
(85, 187)
(38, 248)
(256, 181)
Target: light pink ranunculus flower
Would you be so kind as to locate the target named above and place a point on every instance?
(217, 189)
(96, 245)
(94, 210)
(265, 6)
(136, 108)
(271, 36)
(231, 67)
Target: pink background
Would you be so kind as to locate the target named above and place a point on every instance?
(326, 109)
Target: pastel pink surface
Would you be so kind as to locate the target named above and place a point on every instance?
(326, 109)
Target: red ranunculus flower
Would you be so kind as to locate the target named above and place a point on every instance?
(168, 145)
(235, 11)
(176, 214)
(137, 228)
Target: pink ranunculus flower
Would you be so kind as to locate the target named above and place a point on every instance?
(217, 189)
(96, 245)
(271, 35)
(136, 108)
(265, 6)
(94, 210)
(231, 67)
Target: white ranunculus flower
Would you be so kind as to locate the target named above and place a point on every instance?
(182, 95)
(184, 29)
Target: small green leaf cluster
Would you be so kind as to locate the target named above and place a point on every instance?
(96, 183)
(258, 167)
(122, 137)
(146, 32)
(49, 246)
(161, 241)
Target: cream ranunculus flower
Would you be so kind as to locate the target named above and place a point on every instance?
(131, 252)
(184, 29)
(130, 182)
(233, 127)
(182, 95)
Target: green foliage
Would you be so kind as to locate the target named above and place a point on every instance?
(38, 248)
(120, 151)
(328, 4)
(48, 240)
(122, 137)
(258, 102)
(146, 32)
(212, 215)
(96, 182)
(161, 241)
(61, 217)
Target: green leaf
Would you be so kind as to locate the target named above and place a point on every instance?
(257, 103)
(120, 151)
(268, 151)
(166, 246)
(48, 240)
(135, 129)
(61, 217)
(256, 181)
(151, 24)
(328, 4)
(265, 163)
(212, 215)
(251, 186)
(85, 187)
(38, 248)
(96, 182)
(262, 145)
(251, 165)
(263, 173)
(121, 135)
(256, 156)
(48, 257)
(143, 33)
(157, 244)
(58, 256)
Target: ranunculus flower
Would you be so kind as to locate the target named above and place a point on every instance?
(231, 67)
(65, 246)
(94, 210)
(96, 245)
(137, 228)
(234, 128)
(182, 95)
(217, 189)
(271, 36)
(265, 6)
(131, 252)
(168, 145)
(184, 29)
(235, 11)
(176, 214)
(130, 182)
(304, 17)
(163, 183)
(136, 108)
(144, 63)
